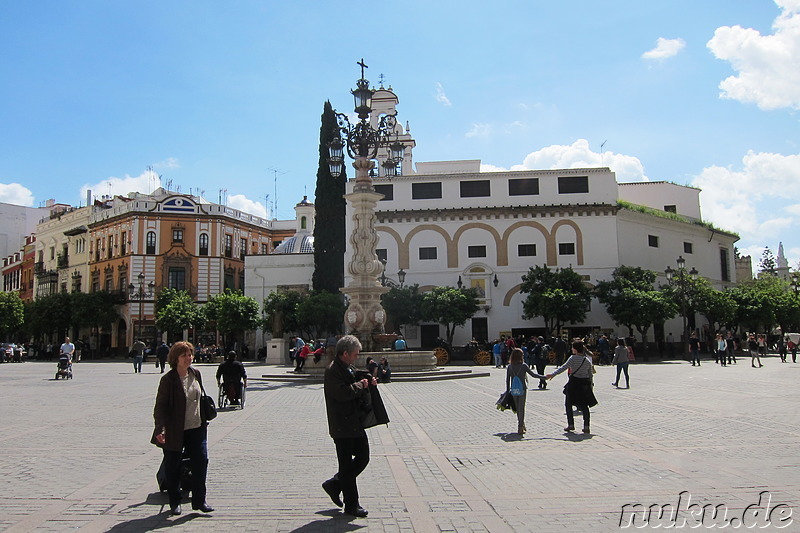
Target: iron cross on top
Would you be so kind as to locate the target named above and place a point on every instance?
(363, 66)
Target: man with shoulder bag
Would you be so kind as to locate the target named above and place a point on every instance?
(344, 396)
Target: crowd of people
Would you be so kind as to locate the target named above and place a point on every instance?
(180, 426)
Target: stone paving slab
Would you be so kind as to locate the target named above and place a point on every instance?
(76, 454)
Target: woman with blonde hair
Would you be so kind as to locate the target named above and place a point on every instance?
(179, 427)
(517, 373)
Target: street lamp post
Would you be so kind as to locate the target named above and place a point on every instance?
(679, 278)
(364, 316)
(140, 294)
(386, 281)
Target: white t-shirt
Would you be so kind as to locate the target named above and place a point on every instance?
(68, 348)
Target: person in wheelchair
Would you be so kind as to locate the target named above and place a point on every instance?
(233, 376)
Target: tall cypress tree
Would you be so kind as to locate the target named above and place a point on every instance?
(329, 232)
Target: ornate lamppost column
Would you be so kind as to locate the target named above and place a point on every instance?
(365, 315)
(140, 294)
(680, 280)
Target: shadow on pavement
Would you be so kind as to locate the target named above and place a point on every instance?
(509, 437)
(336, 522)
(577, 437)
(152, 523)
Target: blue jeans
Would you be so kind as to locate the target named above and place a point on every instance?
(195, 442)
(696, 356)
(137, 363)
(498, 359)
(622, 367)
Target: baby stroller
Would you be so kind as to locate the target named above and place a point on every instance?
(64, 368)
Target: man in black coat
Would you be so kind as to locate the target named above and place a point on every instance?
(161, 355)
(560, 347)
(343, 396)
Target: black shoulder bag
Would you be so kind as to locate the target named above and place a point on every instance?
(208, 409)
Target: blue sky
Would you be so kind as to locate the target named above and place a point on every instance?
(226, 97)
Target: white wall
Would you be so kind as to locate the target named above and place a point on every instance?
(657, 194)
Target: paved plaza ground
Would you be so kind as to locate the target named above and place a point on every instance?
(76, 454)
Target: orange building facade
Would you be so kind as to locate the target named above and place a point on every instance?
(144, 243)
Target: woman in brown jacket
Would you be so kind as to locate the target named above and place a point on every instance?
(178, 425)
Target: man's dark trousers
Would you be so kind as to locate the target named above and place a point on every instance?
(353, 456)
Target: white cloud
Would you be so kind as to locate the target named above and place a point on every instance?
(754, 252)
(751, 201)
(479, 130)
(170, 162)
(242, 203)
(768, 65)
(146, 182)
(794, 209)
(579, 155)
(491, 168)
(441, 97)
(665, 48)
(515, 126)
(14, 193)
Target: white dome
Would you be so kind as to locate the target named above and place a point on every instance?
(298, 244)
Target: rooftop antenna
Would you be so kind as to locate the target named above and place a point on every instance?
(266, 205)
(602, 158)
(152, 179)
(275, 172)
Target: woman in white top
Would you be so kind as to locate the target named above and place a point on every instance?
(578, 389)
(179, 427)
(622, 360)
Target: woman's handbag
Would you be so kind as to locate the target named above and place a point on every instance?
(208, 409)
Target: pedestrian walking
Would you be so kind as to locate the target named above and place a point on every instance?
(604, 348)
(578, 389)
(161, 355)
(731, 343)
(762, 345)
(517, 373)
(752, 345)
(721, 348)
(541, 356)
(622, 360)
(560, 348)
(180, 429)
(67, 348)
(694, 348)
(343, 394)
(137, 350)
(497, 351)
